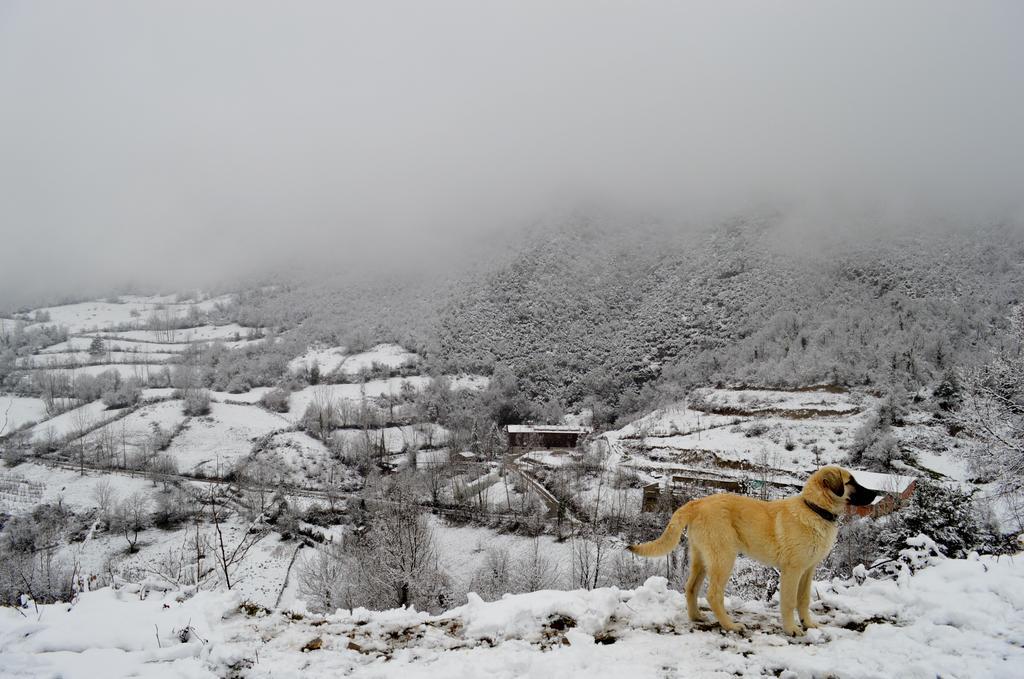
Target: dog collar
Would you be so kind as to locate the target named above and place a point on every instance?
(823, 513)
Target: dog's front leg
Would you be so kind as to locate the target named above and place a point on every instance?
(788, 588)
(804, 599)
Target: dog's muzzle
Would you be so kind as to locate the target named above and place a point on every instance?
(861, 496)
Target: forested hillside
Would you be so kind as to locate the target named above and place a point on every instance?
(605, 314)
(617, 317)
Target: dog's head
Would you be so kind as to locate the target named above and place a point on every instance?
(838, 486)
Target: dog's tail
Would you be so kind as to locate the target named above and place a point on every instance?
(669, 539)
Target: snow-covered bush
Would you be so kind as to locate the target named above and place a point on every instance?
(946, 515)
(29, 566)
(126, 394)
(196, 402)
(275, 400)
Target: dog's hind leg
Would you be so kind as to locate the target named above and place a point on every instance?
(719, 567)
(693, 583)
(803, 599)
(788, 587)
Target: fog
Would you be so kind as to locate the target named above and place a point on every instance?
(175, 143)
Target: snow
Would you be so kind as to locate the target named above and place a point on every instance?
(955, 618)
(753, 400)
(890, 483)
(142, 371)
(390, 355)
(216, 442)
(391, 386)
(252, 396)
(65, 358)
(73, 421)
(202, 333)
(114, 346)
(18, 411)
(71, 488)
(134, 430)
(92, 315)
(331, 359)
(399, 439)
(327, 359)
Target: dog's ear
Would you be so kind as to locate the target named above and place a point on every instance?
(832, 480)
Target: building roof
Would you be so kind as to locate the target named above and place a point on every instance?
(547, 429)
(883, 483)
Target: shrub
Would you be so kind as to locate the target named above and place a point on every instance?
(197, 402)
(946, 514)
(126, 394)
(275, 400)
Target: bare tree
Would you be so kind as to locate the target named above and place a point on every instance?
(132, 517)
(230, 556)
(589, 553)
(536, 571)
(106, 498)
(396, 558)
(993, 412)
(323, 576)
(321, 414)
(82, 423)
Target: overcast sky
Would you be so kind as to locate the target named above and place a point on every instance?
(169, 140)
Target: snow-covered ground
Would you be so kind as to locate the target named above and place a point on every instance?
(202, 333)
(133, 431)
(332, 359)
(389, 355)
(793, 402)
(92, 315)
(214, 443)
(398, 439)
(65, 358)
(66, 487)
(391, 386)
(18, 411)
(956, 618)
(251, 396)
(734, 433)
(325, 359)
(72, 422)
(114, 346)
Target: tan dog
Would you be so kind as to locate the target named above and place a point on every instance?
(793, 535)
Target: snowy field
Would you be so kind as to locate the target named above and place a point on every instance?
(251, 396)
(141, 371)
(304, 462)
(113, 346)
(97, 315)
(72, 422)
(337, 359)
(956, 618)
(391, 386)
(59, 359)
(740, 431)
(133, 431)
(68, 487)
(202, 333)
(399, 439)
(324, 359)
(18, 411)
(794, 403)
(215, 443)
